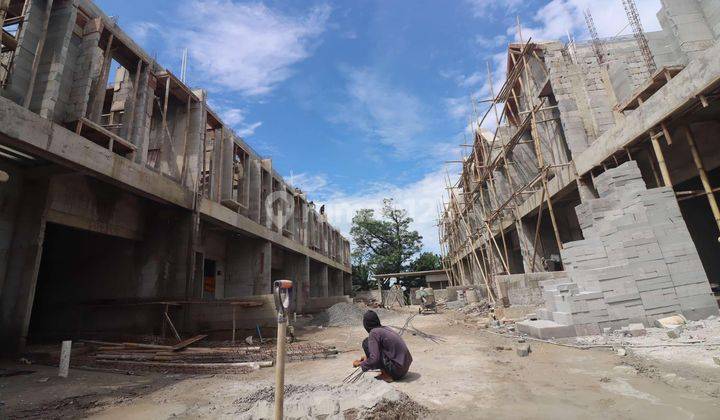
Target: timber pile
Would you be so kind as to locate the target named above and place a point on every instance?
(181, 358)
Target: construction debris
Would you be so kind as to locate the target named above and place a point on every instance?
(671, 321)
(362, 398)
(523, 350)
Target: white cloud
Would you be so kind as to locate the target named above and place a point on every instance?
(471, 80)
(558, 17)
(140, 31)
(462, 107)
(421, 199)
(484, 8)
(382, 111)
(493, 42)
(235, 118)
(459, 107)
(310, 183)
(245, 47)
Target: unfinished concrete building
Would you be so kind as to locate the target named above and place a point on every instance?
(596, 197)
(127, 205)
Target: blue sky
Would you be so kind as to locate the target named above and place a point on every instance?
(355, 100)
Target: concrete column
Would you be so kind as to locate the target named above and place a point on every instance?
(527, 249)
(125, 97)
(302, 282)
(194, 147)
(324, 281)
(226, 192)
(183, 243)
(255, 200)
(347, 283)
(142, 116)
(49, 80)
(216, 175)
(99, 82)
(339, 283)
(263, 278)
(23, 264)
(19, 79)
(267, 186)
(87, 67)
(586, 190)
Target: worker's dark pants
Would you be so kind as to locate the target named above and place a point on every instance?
(387, 365)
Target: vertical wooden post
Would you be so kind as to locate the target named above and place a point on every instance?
(703, 175)
(537, 230)
(661, 161)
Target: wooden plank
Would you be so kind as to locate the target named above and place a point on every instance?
(181, 345)
(263, 363)
(99, 128)
(147, 346)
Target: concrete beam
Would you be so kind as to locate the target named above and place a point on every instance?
(228, 218)
(33, 134)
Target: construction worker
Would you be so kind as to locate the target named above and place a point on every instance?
(384, 350)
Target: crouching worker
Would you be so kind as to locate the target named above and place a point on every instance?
(384, 350)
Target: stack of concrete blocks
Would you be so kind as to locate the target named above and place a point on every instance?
(638, 262)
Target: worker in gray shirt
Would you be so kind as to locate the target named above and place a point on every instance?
(384, 350)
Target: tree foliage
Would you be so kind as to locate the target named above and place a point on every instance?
(426, 261)
(361, 274)
(384, 244)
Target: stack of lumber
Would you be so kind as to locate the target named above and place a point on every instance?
(178, 358)
(181, 358)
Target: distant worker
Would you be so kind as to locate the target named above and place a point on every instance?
(322, 209)
(384, 350)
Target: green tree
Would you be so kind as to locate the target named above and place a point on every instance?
(426, 261)
(385, 244)
(360, 274)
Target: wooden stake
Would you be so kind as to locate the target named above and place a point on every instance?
(537, 231)
(703, 175)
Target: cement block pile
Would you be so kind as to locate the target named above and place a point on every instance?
(637, 263)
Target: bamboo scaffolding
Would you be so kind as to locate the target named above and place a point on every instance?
(471, 225)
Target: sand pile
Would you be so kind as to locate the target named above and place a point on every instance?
(366, 398)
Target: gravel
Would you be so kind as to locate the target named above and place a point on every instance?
(348, 314)
(366, 398)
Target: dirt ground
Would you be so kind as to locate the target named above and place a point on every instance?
(472, 374)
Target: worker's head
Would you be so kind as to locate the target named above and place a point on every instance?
(370, 320)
